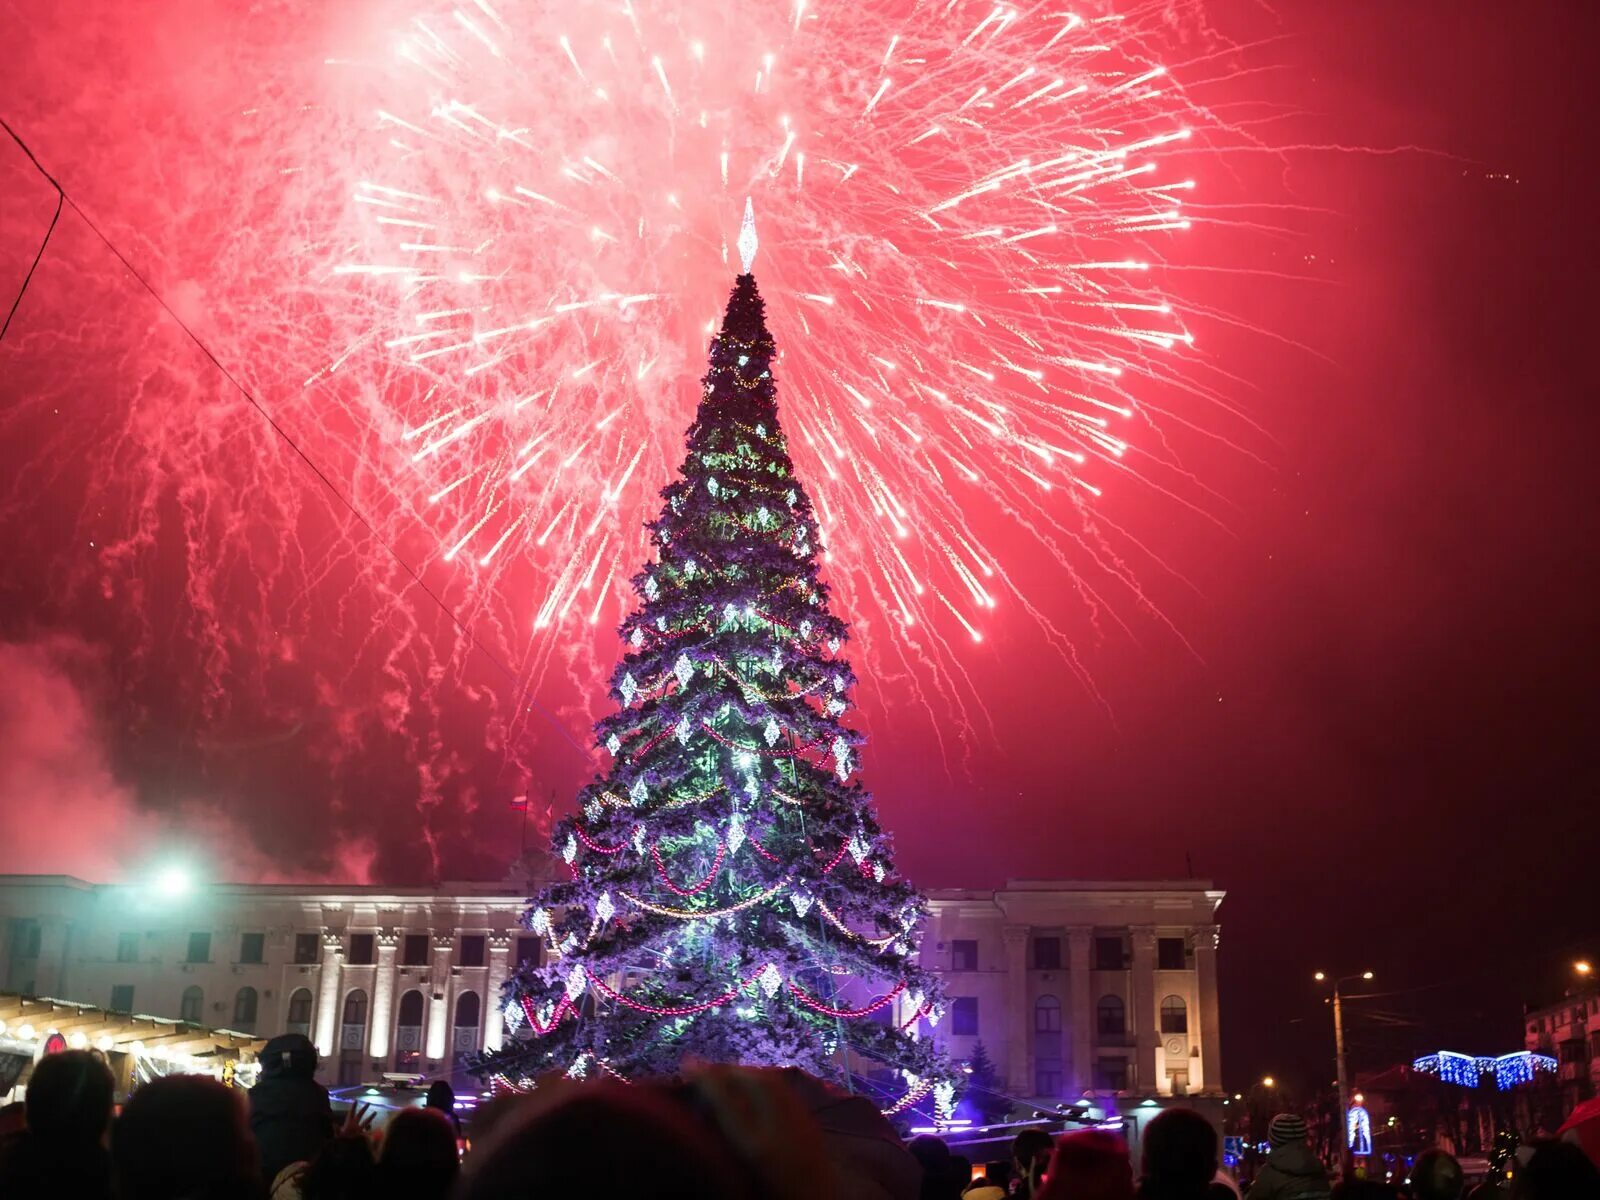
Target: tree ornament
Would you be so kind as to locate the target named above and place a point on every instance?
(570, 850)
(747, 237)
(689, 568)
(858, 847)
(651, 590)
(683, 669)
(711, 485)
(771, 979)
(637, 792)
(771, 732)
(577, 979)
(638, 839)
(540, 921)
(629, 689)
(802, 903)
(637, 637)
(735, 832)
(613, 743)
(604, 909)
(833, 645)
(681, 731)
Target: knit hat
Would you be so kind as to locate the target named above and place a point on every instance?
(1285, 1128)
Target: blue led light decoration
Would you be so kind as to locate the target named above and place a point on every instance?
(1465, 1070)
(1358, 1130)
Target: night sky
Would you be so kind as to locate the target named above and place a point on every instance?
(1363, 708)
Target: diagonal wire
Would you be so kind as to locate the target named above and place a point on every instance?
(63, 197)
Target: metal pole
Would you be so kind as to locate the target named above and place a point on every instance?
(1341, 1127)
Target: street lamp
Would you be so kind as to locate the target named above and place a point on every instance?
(1268, 1081)
(1583, 967)
(1344, 1074)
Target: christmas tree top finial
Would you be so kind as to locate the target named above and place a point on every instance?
(747, 237)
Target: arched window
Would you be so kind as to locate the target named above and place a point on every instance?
(1174, 1015)
(355, 1008)
(194, 1003)
(467, 1010)
(244, 1010)
(300, 1011)
(1112, 1017)
(408, 1032)
(411, 1008)
(1047, 1015)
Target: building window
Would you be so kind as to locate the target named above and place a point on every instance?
(127, 947)
(529, 950)
(363, 949)
(472, 950)
(244, 1010)
(414, 952)
(252, 947)
(1047, 1080)
(1594, 1045)
(194, 1003)
(468, 1013)
(1047, 1015)
(122, 998)
(199, 948)
(352, 1034)
(1109, 954)
(1171, 954)
(1111, 1074)
(28, 939)
(964, 1016)
(408, 1032)
(1047, 954)
(1174, 1015)
(963, 955)
(1111, 1017)
(300, 1012)
(305, 947)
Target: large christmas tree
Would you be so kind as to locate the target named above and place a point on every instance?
(732, 896)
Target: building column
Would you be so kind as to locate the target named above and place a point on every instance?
(1206, 938)
(436, 1037)
(326, 1029)
(1142, 1008)
(1019, 1057)
(382, 1015)
(494, 1017)
(1080, 1006)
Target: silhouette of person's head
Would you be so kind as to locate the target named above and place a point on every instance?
(184, 1135)
(419, 1153)
(69, 1097)
(1180, 1152)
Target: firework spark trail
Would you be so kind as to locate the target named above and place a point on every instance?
(964, 212)
(908, 338)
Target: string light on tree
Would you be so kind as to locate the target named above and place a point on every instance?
(705, 916)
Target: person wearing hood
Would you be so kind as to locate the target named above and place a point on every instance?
(1292, 1171)
(289, 1110)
